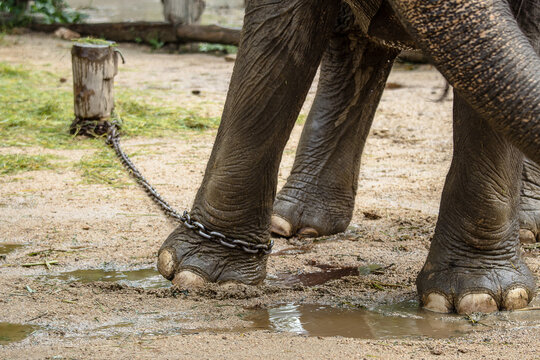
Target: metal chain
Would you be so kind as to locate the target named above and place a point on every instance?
(113, 140)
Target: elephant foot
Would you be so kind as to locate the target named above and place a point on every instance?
(190, 261)
(475, 286)
(306, 215)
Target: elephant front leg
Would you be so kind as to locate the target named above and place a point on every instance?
(280, 51)
(474, 263)
(318, 198)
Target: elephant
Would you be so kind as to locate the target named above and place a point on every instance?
(474, 263)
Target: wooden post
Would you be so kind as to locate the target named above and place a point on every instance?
(183, 12)
(94, 68)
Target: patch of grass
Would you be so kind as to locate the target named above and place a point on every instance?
(13, 71)
(156, 44)
(217, 48)
(301, 119)
(143, 119)
(36, 110)
(15, 163)
(95, 41)
(102, 167)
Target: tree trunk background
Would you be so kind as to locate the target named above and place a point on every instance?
(185, 12)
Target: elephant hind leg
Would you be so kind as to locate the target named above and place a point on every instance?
(318, 197)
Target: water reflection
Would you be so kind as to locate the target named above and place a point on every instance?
(144, 278)
(399, 320)
(7, 248)
(10, 333)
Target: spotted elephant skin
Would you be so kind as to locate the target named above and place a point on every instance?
(491, 60)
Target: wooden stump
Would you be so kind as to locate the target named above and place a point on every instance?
(94, 68)
(183, 12)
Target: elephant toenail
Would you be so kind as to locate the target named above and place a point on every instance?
(516, 298)
(437, 303)
(166, 263)
(527, 236)
(280, 226)
(472, 303)
(188, 280)
(308, 232)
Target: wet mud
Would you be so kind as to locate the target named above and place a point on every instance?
(401, 320)
(140, 278)
(10, 333)
(327, 273)
(6, 248)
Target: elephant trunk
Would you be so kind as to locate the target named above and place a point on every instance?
(478, 46)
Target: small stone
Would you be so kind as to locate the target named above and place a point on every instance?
(86, 227)
(435, 351)
(463, 351)
(66, 34)
(230, 58)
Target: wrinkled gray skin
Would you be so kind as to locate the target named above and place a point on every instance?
(474, 262)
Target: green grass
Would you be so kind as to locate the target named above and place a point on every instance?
(143, 119)
(15, 163)
(217, 48)
(95, 41)
(102, 167)
(301, 119)
(13, 71)
(37, 110)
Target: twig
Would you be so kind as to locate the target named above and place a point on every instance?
(379, 285)
(44, 263)
(38, 317)
(46, 251)
(529, 308)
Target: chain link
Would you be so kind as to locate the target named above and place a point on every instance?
(113, 140)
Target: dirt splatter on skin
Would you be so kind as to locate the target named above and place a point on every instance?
(59, 216)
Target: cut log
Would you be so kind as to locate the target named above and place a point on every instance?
(147, 32)
(94, 69)
(208, 33)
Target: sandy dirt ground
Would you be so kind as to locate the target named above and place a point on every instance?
(84, 226)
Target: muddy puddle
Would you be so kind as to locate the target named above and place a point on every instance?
(10, 333)
(397, 321)
(402, 320)
(325, 274)
(150, 278)
(143, 278)
(6, 248)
